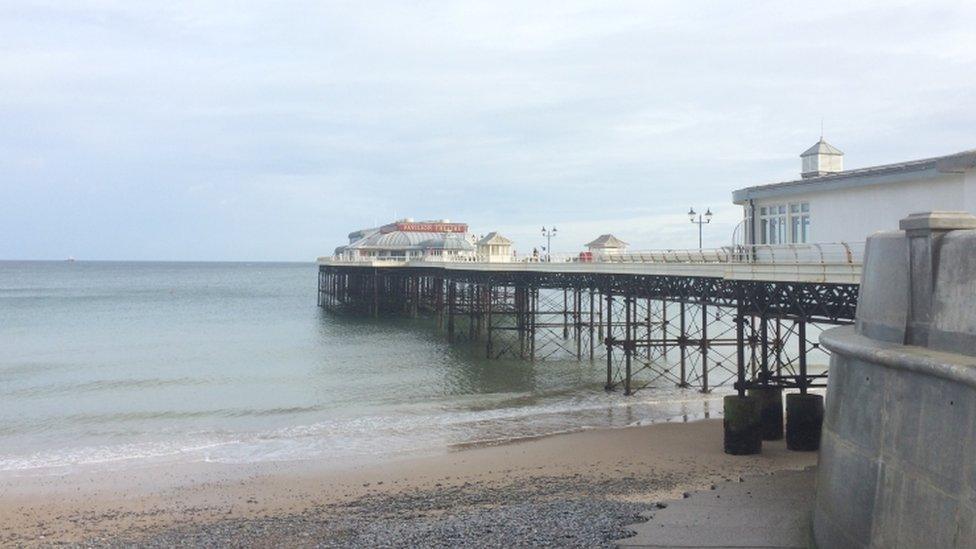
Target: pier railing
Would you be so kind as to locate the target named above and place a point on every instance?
(834, 253)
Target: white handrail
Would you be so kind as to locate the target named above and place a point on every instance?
(830, 253)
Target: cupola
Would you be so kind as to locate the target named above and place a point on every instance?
(821, 159)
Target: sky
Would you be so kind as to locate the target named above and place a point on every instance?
(268, 131)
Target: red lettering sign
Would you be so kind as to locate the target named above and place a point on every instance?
(421, 227)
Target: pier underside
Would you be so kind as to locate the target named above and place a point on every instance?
(646, 330)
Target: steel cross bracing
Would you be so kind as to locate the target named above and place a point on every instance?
(647, 330)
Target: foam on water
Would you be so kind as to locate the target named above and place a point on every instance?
(382, 435)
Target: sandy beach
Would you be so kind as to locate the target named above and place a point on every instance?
(577, 489)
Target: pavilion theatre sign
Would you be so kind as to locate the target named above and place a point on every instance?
(424, 227)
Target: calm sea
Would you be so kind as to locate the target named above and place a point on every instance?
(126, 363)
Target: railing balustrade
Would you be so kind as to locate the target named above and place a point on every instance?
(834, 253)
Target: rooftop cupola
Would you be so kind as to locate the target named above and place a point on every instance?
(821, 159)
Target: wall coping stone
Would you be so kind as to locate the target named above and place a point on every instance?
(938, 221)
(950, 366)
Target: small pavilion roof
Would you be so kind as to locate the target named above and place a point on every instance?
(821, 147)
(607, 241)
(494, 239)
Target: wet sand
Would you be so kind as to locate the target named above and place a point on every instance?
(572, 489)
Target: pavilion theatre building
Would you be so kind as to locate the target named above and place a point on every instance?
(830, 204)
(407, 240)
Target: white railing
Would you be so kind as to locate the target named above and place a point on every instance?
(838, 253)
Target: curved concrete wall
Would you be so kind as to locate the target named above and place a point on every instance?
(897, 465)
(898, 453)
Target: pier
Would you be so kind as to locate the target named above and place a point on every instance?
(745, 316)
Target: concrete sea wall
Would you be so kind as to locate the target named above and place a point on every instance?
(898, 449)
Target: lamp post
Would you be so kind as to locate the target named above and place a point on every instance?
(548, 233)
(701, 220)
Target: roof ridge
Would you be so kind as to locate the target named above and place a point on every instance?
(880, 170)
(821, 147)
(855, 171)
(607, 238)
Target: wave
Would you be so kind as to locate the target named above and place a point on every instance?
(376, 434)
(102, 385)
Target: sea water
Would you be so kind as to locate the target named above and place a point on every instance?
(127, 363)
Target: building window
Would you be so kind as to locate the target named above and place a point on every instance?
(800, 223)
(784, 223)
(773, 224)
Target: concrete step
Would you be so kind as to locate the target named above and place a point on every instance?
(762, 511)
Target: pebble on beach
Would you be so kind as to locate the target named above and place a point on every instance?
(542, 511)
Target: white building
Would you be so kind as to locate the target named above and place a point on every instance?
(830, 204)
(494, 248)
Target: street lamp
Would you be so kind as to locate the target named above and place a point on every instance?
(700, 221)
(548, 233)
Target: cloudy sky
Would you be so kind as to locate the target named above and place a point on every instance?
(238, 130)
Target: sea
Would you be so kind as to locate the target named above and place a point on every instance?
(134, 363)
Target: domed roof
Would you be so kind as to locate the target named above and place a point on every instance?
(397, 240)
(449, 242)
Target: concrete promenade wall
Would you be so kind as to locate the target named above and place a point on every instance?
(897, 466)
(898, 449)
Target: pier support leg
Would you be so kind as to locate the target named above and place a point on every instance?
(682, 346)
(804, 420)
(440, 290)
(778, 346)
(599, 320)
(742, 426)
(451, 298)
(578, 322)
(770, 401)
(764, 349)
(472, 297)
(376, 294)
(628, 341)
(649, 330)
(565, 313)
(704, 346)
(609, 343)
(740, 347)
(664, 333)
(753, 345)
(591, 325)
(489, 299)
(802, 354)
(520, 317)
(533, 312)
(321, 282)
